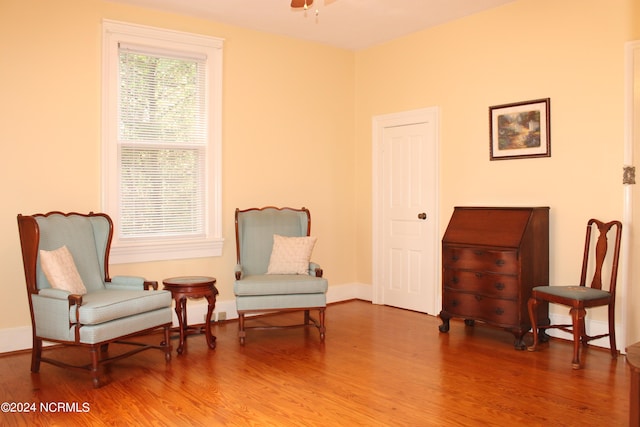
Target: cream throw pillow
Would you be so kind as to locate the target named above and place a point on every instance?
(291, 255)
(61, 271)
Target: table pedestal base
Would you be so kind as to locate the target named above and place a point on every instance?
(192, 287)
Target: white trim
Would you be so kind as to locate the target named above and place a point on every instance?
(15, 339)
(631, 49)
(349, 291)
(422, 115)
(594, 328)
(180, 249)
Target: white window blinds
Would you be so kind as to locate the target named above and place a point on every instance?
(162, 143)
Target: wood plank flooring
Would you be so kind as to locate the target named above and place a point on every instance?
(379, 366)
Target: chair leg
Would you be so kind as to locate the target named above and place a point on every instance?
(167, 343)
(95, 362)
(612, 331)
(584, 338)
(321, 320)
(307, 317)
(531, 306)
(36, 355)
(241, 332)
(577, 314)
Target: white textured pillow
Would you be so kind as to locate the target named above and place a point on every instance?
(291, 255)
(61, 271)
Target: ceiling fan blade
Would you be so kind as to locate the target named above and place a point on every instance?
(301, 3)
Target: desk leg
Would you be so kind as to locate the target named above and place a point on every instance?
(211, 340)
(181, 312)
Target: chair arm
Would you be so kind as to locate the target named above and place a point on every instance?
(315, 269)
(59, 294)
(54, 293)
(51, 309)
(130, 282)
(238, 271)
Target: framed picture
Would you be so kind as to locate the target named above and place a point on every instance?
(520, 130)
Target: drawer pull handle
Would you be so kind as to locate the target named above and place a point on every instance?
(499, 311)
(499, 286)
(454, 303)
(500, 262)
(454, 257)
(455, 280)
(479, 275)
(478, 297)
(479, 253)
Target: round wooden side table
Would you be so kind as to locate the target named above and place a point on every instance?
(192, 287)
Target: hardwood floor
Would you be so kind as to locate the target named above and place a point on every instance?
(379, 366)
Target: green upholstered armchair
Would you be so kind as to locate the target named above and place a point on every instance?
(73, 300)
(274, 272)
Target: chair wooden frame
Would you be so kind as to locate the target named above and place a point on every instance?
(308, 320)
(29, 239)
(578, 305)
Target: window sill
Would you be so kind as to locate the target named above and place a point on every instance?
(156, 251)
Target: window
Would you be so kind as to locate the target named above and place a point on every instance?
(161, 168)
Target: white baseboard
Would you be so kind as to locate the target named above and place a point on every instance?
(594, 327)
(349, 291)
(15, 339)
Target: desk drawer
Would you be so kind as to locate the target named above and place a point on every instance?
(482, 283)
(478, 259)
(493, 310)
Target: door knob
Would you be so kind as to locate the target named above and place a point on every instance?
(422, 215)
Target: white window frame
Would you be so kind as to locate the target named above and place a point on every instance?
(156, 249)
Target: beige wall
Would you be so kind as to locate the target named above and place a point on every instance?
(288, 132)
(569, 51)
(297, 123)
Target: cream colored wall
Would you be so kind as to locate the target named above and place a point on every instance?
(634, 16)
(287, 138)
(571, 51)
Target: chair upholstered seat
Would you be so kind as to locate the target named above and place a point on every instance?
(100, 333)
(280, 302)
(580, 293)
(107, 305)
(280, 284)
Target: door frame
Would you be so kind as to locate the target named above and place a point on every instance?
(632, 52)
(379, 123)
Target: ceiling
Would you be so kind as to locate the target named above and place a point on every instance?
(348, 24)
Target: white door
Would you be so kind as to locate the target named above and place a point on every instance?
(406, 243)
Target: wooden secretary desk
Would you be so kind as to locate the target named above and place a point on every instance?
(491, 259)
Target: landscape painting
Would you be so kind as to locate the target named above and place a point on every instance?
(520, 130)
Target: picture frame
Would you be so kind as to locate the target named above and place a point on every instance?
(520, 130)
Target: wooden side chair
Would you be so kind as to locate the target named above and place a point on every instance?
(597, 260)
(274, 272)
(73, 300)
